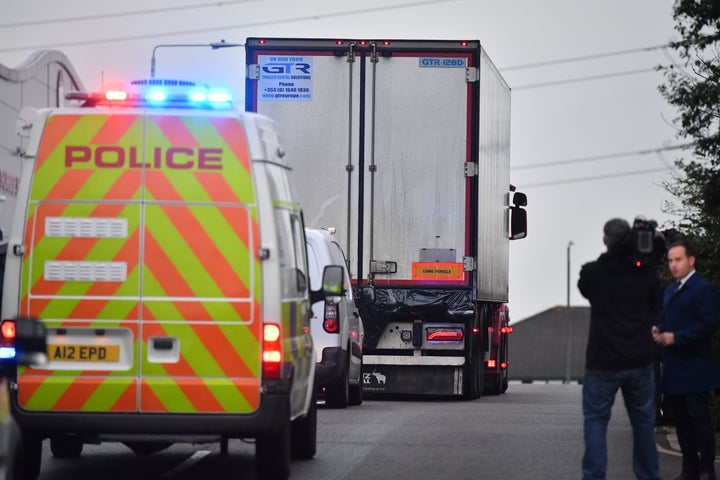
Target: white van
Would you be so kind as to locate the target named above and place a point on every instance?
(337, 330)
(156, 238)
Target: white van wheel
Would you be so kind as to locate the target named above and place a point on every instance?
(337, 393)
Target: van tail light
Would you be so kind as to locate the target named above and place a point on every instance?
(491, 363)
(330, 319)
(271, 352)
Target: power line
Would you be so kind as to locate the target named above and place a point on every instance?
(584, 79)
(585, 57)
(593, 178)
(603, 157)
(128, 38)
(100, 16)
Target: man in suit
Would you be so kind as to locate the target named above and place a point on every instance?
(691, 316)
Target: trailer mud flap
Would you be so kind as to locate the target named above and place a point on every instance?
(412, 380)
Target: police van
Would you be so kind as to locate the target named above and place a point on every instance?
(156, 238)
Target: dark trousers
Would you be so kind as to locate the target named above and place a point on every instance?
(691, 414)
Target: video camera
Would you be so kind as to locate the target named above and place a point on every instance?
(647, 246)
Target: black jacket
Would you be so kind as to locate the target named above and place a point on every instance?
(625, 302)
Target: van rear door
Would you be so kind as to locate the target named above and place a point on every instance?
(140, 243)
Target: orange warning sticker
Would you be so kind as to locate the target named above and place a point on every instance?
(437, 271)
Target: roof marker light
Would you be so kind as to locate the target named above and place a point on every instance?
(197, 96)
(156, 96)
(218, 97)
(118, 95)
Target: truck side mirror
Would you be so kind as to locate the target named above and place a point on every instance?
(518, 216)
(519, 199)
(518, 223)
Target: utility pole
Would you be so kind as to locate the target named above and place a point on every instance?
(568, 320)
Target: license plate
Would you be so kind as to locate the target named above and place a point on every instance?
(83, 353)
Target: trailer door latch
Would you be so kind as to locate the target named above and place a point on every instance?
(468, 264)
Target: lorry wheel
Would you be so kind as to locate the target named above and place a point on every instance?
(272, 455)
(66, 446)
(494, 385)
(304, 433)
(505, 382)
(28, 458)
(337, 394)
(474, 379)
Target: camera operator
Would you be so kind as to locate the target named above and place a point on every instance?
(624, 300)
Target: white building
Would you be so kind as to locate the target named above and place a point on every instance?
(41, 81)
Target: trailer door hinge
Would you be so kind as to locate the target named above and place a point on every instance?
(253, 72)
(468, 264)
(472, 74)
(471, 169)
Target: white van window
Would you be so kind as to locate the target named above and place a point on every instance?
(292, 253)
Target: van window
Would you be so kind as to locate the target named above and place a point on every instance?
(291, 241)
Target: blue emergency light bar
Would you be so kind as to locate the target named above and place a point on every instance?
(158, 93)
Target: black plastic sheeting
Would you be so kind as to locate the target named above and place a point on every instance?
(409, 304)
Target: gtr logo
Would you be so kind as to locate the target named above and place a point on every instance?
(286, 67)
(112, 156)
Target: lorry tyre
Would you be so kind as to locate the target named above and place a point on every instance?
(28, 458)
(356, 391)
(505, 382)
(272, 454)
(474, 379)
(66, 446)
(337, 393)
(304, 433)
(494, 385)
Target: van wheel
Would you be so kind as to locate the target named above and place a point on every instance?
(66, 446)
(272, 455)
(356, 391)
(304, 433)
(28, 458)
(337, 394)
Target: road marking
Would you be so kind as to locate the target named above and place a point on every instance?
(195, 458)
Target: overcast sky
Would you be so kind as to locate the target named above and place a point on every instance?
(588, 133)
